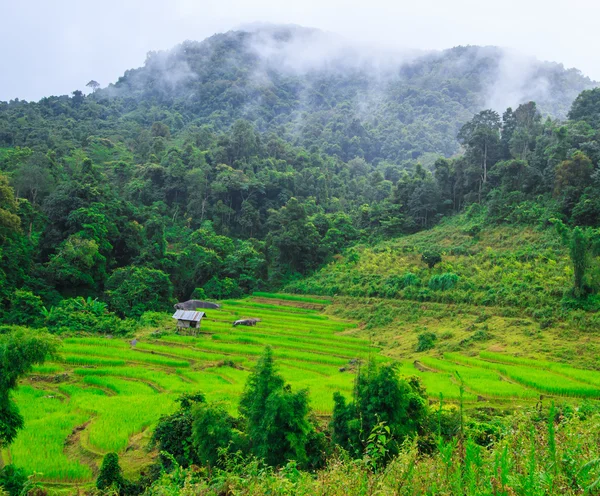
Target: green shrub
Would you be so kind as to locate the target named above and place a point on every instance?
(410, 279)
(110, 476)
(442, 282)
(431, 258)
(222, 289)
(198, 294)
(379, 396)
(12, 480)
(81, 315)
(173, 434)
(214, 428)
(426, 341)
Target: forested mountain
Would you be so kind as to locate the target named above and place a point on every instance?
(312, 89)
(244, 160)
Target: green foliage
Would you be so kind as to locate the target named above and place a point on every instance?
(25, 308)
(174, 433)
(442, 282)
(19, 352)
(431, 258)
(85, 315)
(131, 291)
(214, 429)
(276, 418)
(586, 107)
(578, 256)
(111, 474)
(222, 289)
(13, 480)
(426, 341)
(380, 399)
(376, 450)
(521, 462)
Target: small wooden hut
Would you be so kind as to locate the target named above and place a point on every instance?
(187, 319)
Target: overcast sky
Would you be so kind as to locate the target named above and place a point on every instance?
(51, 47)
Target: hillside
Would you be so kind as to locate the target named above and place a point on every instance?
(312, 88)
(424, 263)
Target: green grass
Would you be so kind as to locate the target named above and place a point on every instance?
(291, 297)
(119, 391)
(546, 381)
(482, 381)
(40, 447)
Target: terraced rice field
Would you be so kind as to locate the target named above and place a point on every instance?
(105, 394)
(496, 376)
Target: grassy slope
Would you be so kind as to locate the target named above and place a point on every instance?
(507, 299)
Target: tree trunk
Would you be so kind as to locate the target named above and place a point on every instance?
(485, 162)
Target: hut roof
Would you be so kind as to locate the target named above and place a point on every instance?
(194, 305)
(188, 315)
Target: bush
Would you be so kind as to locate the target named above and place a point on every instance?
(431, 258)
(81, 315)
(379, 396)
(198, 294)
(443, 282)
(426, 341)
(393, 284)
(12, 480)
(214, 428)
(173, 434)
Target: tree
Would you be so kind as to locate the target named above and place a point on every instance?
(111, 474)
(32, 181)
(577, 251)
(94, 85)
(277, 422)
(481, 137)
(586, 107)
(379, 396)
(19, 351)
(134, 290)
(213, 428)
(77, 265)
(572, 177)
(8, 206)
(174, 433)
(294, 237)
(25, 308)
(12, 480)
(431, 258)
(583, 243)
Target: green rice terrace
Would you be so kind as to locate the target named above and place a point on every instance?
(105, 394)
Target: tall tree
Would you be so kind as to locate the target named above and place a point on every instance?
(276, 418)
(94, 85)
(481, 137)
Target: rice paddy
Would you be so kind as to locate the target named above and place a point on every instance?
(106, 394)
(102, 393)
